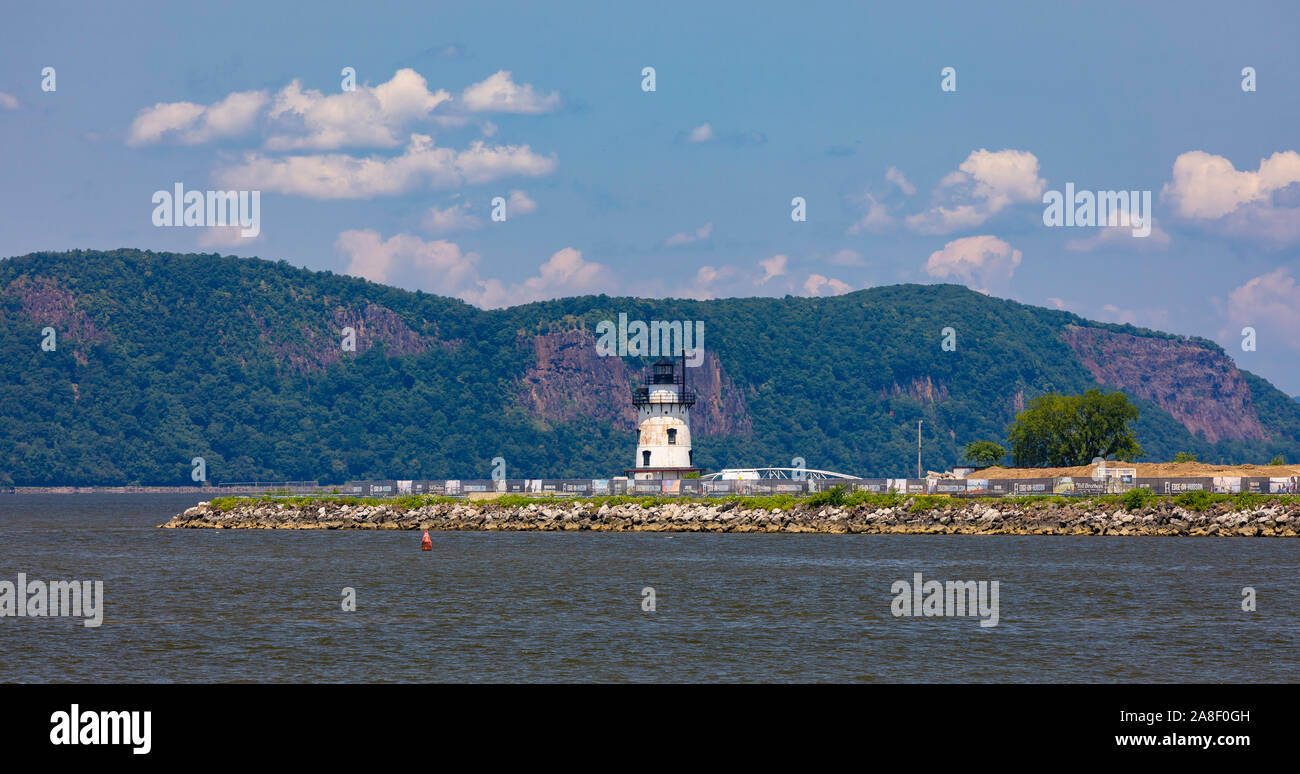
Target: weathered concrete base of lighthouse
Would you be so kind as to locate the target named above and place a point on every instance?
(1271, 518)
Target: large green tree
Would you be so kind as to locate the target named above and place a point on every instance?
(1067, 430)
(983, 453)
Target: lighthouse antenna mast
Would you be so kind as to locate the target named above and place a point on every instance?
(681, 388)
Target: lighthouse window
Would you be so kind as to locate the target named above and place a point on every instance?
(672, 435)
(645, 459)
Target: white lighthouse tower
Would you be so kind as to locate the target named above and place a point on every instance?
(663, 415)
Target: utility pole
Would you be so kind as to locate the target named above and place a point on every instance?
(918, 447)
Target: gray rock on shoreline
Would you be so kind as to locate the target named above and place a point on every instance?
(1271, 519)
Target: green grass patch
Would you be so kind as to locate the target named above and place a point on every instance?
(402, 501)
(1036, 500)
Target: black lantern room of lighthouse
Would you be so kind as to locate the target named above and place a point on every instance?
(664, 373)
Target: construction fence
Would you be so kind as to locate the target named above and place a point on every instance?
(694, 487)
(968, 487)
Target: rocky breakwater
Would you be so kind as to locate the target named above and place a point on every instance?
(984, 517)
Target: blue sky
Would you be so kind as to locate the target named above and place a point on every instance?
(686, 190)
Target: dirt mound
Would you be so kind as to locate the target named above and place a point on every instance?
(1148, 470)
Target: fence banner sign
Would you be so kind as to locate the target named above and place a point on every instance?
(1283, 485)
(1227, 484)
(1031, 486)
(1115, 481)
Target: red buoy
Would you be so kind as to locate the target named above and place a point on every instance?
(426, 543)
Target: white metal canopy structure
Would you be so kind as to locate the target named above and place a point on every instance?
(749, 474)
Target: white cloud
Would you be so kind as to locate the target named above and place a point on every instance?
(298, 119)
(896, 177)
(876, 219)
(1146, 318)
(877, 206)
(192, 124)
(438, 266)
(772, 267)
(421, 165)
(1121, 236)
(979, 261)
(701, 133)
(683, 238)
(704, 285)
(734, 138)
(710, 282)
(150, 124)
(458, 218)
(1113, 313)
(366, 117)
(847, 257)
(499, 94)
(8, 101)
(564, 274)
(1209, 186)
(520, 204)
(448, 219)
(1269, 303)
(1261, 205)
(986, 183)
(817, 285)
(482, 163)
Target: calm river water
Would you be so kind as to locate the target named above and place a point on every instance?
(265, 606)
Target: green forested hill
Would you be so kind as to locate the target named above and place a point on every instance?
(160, 358)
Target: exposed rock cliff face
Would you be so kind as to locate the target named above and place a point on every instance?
(924, 390)
(721, 409)
(1199, 387)
(47, 303)
(314, 348)
(569, 380)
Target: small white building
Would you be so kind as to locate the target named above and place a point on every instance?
(663, 415)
